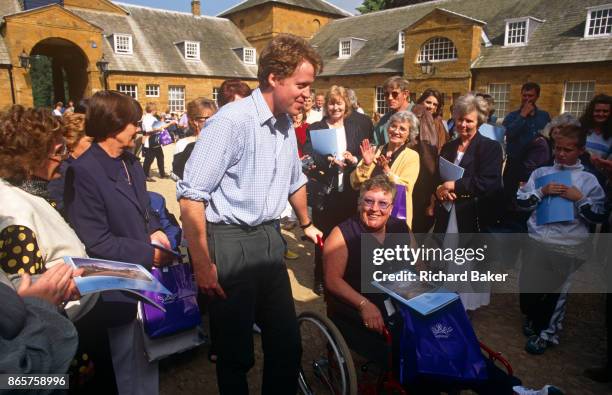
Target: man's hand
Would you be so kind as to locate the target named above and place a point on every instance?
(527, 109)
(553, 188)
(312, 232)
(208, 281)
(572, 193)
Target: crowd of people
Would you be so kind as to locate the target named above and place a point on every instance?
(72, 184)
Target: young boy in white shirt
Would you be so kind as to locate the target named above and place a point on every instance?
(555, 250)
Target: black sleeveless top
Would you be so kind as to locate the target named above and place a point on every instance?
(352, 230)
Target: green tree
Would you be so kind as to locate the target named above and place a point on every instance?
(373, 5)
(41, 75)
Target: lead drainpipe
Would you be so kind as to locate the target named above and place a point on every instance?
(10, 71)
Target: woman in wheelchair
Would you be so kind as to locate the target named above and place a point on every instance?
(363, 320)
(342, 252)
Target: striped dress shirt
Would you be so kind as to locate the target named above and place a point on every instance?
(244, 165)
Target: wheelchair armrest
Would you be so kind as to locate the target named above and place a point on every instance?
(497, 356)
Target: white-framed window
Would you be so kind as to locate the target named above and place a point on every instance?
(576, 96)
(192, 50)
(215, 95)
(501, 94)
(123, 44)
(516, 32)
(176, 98)
(381, 106)
(599, 21)
(437, 49)
(345, 49)
(128, 89)
(152, 90)
(401, 42)
(249, 55)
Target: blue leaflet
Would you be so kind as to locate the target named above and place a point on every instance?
(554, 208)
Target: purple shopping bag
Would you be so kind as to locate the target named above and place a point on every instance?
(441, 345)
(399, 203)
(182, 311)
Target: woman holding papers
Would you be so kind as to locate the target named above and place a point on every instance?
(108, 206)
(334, 168)
(476, 193)
(470, 185)
(33, 240)
(395, 159)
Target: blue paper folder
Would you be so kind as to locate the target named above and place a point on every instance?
(493, 132)
(324, 142)
(554, 208)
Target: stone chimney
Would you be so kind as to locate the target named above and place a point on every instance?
(195, 7)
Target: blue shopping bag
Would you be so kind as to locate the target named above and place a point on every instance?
(441, 345)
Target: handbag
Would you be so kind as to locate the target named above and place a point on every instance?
(440, 346)
(165, 138)
(182, 311)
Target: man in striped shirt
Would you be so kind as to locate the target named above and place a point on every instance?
(236, 184)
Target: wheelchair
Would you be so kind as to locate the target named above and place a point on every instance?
(327, 362)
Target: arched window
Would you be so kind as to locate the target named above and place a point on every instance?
(437, 49)
(317, 24)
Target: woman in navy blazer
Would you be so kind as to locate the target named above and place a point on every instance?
(477, 194)
(108, 206)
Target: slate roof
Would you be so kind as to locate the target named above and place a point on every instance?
(155, 34)
(558, 40)
(316, 5)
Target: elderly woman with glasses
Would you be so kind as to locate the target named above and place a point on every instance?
(34, 238)
(343, 251)
(396, 159)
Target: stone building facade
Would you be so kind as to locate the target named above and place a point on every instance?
(455, 46)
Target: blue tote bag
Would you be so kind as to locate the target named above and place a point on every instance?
(441, 345)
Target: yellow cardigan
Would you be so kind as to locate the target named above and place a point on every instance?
(404, 171)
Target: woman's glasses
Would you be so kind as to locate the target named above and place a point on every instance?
(371, 203)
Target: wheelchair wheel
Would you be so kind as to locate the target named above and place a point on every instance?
(327, 365)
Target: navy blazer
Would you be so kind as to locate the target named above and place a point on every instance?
(111, 217)
(479, 191)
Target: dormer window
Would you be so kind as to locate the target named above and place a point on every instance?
(248, 55)
(345, 48)
(348, 47)
(516, 32)
(599, 21)
(519, 30)
(192, 50)
(401, 42)
(123, 44)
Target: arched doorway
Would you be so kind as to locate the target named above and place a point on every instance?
(58, 72)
